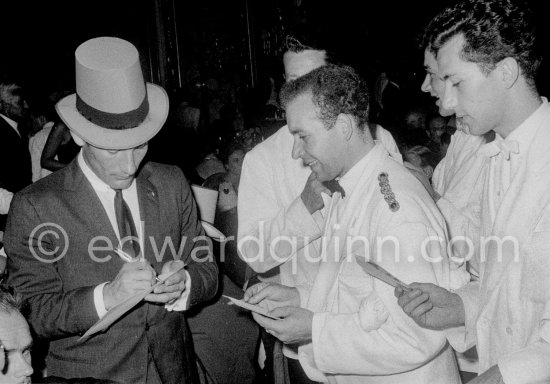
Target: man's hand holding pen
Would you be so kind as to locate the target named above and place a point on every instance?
(138, 275)
(173, 286)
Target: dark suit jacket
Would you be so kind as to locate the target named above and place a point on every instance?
(15, 162)
(60, 293)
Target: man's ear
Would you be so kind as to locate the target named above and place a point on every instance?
(77, 139)
(428, 171)
(509, 71)
(344, 123)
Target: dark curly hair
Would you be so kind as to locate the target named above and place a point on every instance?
(10, 301)
(335, 89)
(492, 30)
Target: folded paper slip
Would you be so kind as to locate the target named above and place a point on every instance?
(120, 309)
(380, 273)
(251, 307)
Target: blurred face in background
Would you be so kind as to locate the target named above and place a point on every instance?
(436, 127)
(299, 63)
(235, 162)
(415, 120)
(12, 102)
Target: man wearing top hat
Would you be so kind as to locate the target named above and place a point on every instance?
(66, 232)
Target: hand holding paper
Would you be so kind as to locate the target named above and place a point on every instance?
(114, 313)
(250, 307)
(132, 278)
(173, 286)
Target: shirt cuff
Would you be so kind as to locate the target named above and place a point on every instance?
(5, 201)
(98, 300)
(181, 304)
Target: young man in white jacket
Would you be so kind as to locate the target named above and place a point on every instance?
(487, 56)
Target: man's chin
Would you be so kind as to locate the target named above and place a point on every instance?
(323, 177)
(121, 184)
(445, 112)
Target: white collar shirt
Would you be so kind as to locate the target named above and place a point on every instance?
(505, 156)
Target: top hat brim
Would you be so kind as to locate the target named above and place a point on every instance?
(106, 138)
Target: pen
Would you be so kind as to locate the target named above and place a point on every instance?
(129, 259)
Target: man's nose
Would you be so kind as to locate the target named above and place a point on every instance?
(448, 99)
(426, 85)
(296, 149)
(24, 367)
(128, 163)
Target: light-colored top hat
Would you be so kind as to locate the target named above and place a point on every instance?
(113, 107)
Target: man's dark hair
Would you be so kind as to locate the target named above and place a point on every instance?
(335, 90)
(9, 300)
(493, 30)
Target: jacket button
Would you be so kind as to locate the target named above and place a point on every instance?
(146, 326)
(509, 331)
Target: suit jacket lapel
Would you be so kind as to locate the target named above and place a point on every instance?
(149, 211)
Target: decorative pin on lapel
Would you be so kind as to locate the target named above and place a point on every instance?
(385, 189)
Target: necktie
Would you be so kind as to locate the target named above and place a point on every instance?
(334, 186)
(129, 241)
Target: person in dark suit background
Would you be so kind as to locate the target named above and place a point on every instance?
(62, 233)
(15, 160)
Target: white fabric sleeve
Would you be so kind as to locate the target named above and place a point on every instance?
(5, 201)
(531, 364)
(464, 337)
(98, 300)
(268, 235)
(528, 365)
(181, 304)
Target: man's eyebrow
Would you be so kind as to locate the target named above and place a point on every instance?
(27, 347)
(448, 76)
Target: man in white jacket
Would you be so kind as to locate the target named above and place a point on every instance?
(487, 55)
(347, 324)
